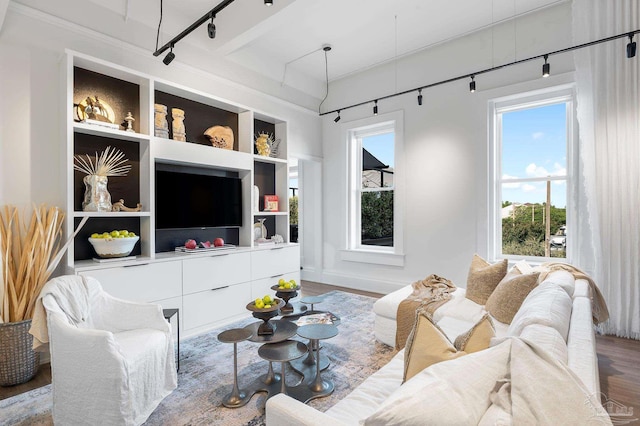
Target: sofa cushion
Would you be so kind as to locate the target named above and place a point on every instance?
(483, 278)
(564, 279)
(508, 296)
(436, 394)
(547, 304)
(427, 344)
(477, 337)
(365, 399)
(547, 338)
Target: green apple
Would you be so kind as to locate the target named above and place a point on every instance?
(281, 281)
(95, 235)
(267, 306)
(266, 299)
(115, 233)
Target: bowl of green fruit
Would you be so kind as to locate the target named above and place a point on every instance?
(114, 244)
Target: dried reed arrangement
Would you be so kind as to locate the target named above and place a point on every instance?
(110, 162)
(30, 253)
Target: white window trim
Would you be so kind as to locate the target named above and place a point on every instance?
(353, 251)
(553, 95)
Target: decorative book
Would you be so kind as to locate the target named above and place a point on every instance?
(270, 203)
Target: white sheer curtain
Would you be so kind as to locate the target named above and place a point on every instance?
(608, 98)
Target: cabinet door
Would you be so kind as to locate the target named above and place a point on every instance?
(274, 262)
(141, 283)
(210, 306)
(261, 287)
(207, 273)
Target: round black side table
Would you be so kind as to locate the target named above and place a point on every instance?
(237, 397)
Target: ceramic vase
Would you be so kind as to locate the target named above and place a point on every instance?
(96, 195)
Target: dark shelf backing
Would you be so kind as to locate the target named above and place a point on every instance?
(198, 118)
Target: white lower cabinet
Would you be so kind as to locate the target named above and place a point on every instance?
(273, 262)
(141, 283)
(208, 307)
(210, 291)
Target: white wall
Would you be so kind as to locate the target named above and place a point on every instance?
(31, 47)
(446, 145)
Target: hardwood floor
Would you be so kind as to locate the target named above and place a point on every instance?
(617, 361)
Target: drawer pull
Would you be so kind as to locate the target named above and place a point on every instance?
(277, 248)
(276, 276)
(133, 266)
(219, 288)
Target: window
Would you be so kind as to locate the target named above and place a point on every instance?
(532, 176)
(374, 224)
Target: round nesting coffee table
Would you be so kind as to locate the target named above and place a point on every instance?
(318, 387)
(282, 352)
(312, 300)
(237, 397)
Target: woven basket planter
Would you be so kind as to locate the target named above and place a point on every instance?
(18, 361)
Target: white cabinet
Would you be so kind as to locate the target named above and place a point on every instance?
(271, 263)
(204, 309)
(141, 283)
(208, 273)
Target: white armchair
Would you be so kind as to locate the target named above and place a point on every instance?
(112, 361)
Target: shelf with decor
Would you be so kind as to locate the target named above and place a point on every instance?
(209, 155)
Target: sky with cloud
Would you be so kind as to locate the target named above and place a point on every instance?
(534, 144)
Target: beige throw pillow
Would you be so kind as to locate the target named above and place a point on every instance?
(478, 337)
(483, 278)
(427, 344)
(508, 296)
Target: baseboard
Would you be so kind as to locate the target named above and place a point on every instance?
(356, 282)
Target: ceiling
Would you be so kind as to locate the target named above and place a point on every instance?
(284, 42)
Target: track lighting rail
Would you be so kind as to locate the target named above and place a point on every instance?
(487, 70)
(212, 13)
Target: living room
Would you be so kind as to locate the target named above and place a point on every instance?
(445, 197)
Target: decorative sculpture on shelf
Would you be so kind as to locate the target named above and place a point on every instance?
(220, 136)
(179, 132)
(128, 122)
(109, 163)
(263, 144)
(160, 124)
(119, 206)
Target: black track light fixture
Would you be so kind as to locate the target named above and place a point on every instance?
(268, 2)
(631, 47)
(170, 57)
(546, 68)
(375, 108)
(472, 84)
(419, 96)
(335, 120)
(211, 28)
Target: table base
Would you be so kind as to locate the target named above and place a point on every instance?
(304, 393)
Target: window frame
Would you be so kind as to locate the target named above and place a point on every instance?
(551, 96)
(353, 133)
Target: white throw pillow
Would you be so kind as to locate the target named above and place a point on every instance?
(547, 304)
(437, 394)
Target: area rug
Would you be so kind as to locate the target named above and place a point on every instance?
(206, 373)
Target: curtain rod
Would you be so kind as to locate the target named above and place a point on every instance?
(484, 71)
(211, 14)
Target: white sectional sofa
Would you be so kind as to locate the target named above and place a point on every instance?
(556, 316)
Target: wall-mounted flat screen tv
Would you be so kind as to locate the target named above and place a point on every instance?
(196, 198)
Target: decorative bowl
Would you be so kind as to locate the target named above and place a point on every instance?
(113, 247)
(277, 304)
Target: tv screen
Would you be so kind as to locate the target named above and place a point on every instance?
(192, 200)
